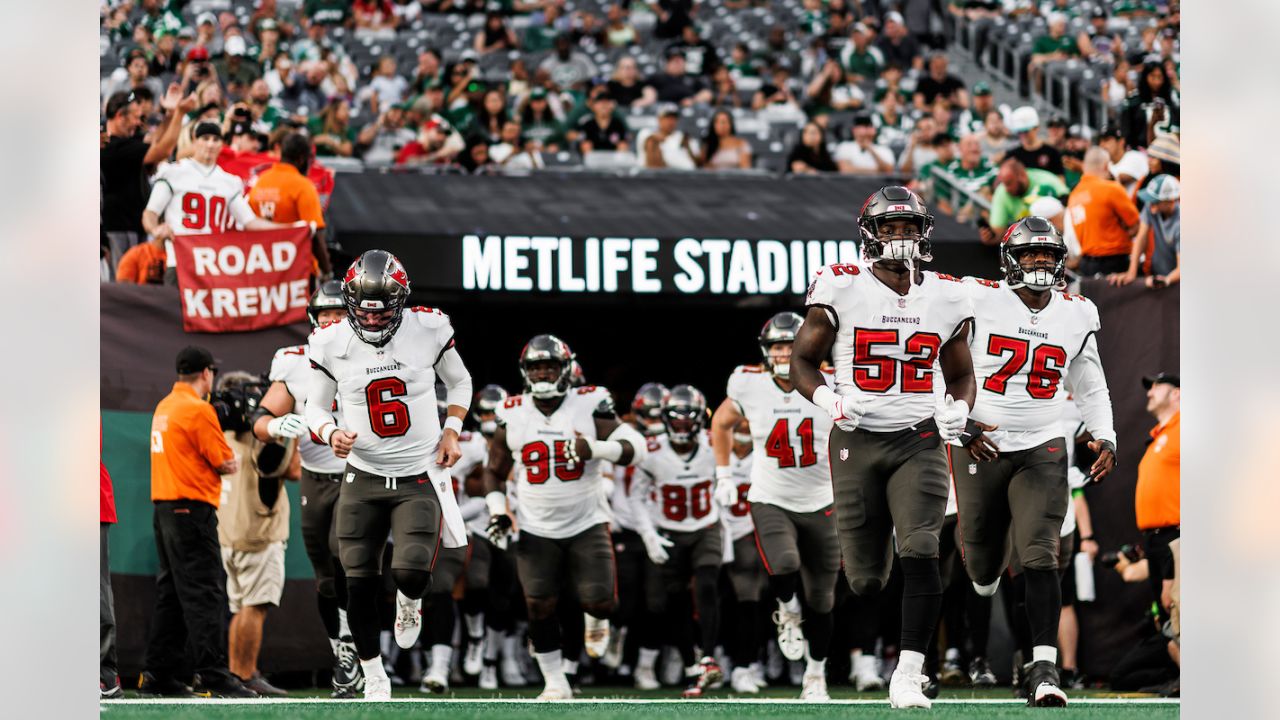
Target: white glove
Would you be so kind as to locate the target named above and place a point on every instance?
(655, 546)
(290, 425)
(726, 492)
(951, 418)
(845, 410)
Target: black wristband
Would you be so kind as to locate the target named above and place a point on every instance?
(1108, 445)
(972, 431)
(1087, 539)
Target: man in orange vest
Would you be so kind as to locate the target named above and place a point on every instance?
(285, 195)
(1157, 501)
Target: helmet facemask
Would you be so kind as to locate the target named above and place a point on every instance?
(548, 385)
(878, 243)
(684, 415)
(1040, 277)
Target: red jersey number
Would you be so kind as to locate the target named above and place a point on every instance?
(778, 444)
(539, 462)
(679, 502)
(201, 213)
(387, 416)
(1047, 363)
(876, 373)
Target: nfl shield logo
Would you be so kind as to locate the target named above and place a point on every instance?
(973, 468)
(844, 453)
(902, 302)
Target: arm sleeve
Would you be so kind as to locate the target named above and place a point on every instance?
(212, 443)
(639, 446)
(241, 211)
(1089, 386)
(453, 373)
(161, 194)
(638, 497)
(323, 386)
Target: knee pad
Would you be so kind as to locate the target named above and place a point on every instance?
(920, 545)
(865, 586)
(413, 583)
(820, 600)
(541, 608)
(327, 587)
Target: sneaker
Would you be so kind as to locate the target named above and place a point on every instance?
(377, 688)
(617, 645)
(646, 679)
(866, 674)
(110, 693)
(557, 690)
(790, 637)
(230, 688)
(473, 658)
(932, 688)
(259, 684)
(595, 638)
(489, 677)
(408, 620)
(151, 686)
(980, 674)
(815, 688)
(741, 681)
(347, 677)
(434, 681)
(709, 673)
(1071, 679)
(1043, 686)
(346, 693)
(907, 691)
(953, 675)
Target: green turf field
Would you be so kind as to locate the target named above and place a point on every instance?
(609, 703)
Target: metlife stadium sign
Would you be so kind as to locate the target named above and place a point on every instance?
(715, 266)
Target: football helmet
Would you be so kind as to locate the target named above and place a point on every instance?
(542, 348)
(577, 378)
(487, 402)
(684, 414)
(646, 408)
(780, 328)
(326, 297)
(376, 289)
(894, 202)
(1033, 233)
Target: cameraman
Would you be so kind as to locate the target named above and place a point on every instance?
(188, 454)
(253, 526)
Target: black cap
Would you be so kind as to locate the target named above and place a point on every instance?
(1111, 131)
(862, 120)
(1168, 378)
(241, 128)
(1098, 12)
(193, 359)
(1057, 123)
(207, 128)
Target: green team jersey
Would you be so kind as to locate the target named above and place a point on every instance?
(1007, 208)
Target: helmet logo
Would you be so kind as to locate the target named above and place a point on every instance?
(896, 208)
(371, 304)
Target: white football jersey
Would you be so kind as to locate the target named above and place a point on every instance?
(475, 452)
(886, 346)
(387, 394)
(788, 440)
(679, 487)
(1021, 358)
(557, 499)
(195, 199)
(738, 518)
(621, 503)
(292, 367)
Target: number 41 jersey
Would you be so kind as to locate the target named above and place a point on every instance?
(558, 499)
(887, 344)
(1020, 359)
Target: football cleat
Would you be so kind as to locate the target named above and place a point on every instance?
(907, 691)
(488, 677)
(790, 637)
(473, 659)
(377, 688)
(347, 677)
(150, 686)
(557, 690)
(231, 687)
(259, 684)
(709, 673)
(595, 637)
(953, 675)
(980, 673)
(814, 688)
(1044, 687)
(110, 693)
(646, 679)
(434, 681)
(617, 645)
(866, 674)
(741, 681)
(408, 620)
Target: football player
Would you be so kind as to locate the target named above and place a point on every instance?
(790, 496)
(746, 573)
(1031, 342)
(278, 419)
(679, 522)
(558, 439)
(383, 364)
(888, 324)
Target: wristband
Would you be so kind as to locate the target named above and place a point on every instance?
(825, 398)
(1087, 539)
(326, 433)
(496, 501)
(454, 424)
(1108, 445)
(610, 450)
(724, 472)
(971, 432)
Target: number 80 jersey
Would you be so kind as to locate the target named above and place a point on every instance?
(887, 344)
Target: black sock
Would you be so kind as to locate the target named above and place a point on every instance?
(818, 629)
(921, 601)
(439, 619)
(978, 617)
(362, 615)
(784, 587)
(328, 614)
(1044, 606)
(545, 634)
(742, 639)
(707, 593)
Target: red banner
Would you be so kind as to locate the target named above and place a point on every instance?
(240, 281)
(248, 166)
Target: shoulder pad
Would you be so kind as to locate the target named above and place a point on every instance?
(427, 316)
(827, 370)
(944, 276)
(749, 370)
(838, 275)
(993, 284)
(285, 358)
(290, 351)
(604, 409)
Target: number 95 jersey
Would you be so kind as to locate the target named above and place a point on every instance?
(887, 344)
(558, 499)
(387, 394)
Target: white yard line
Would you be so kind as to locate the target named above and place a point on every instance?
(618, 701)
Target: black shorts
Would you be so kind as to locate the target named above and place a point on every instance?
(887, 484)
(688, 552)
(789, 542)
(370, 506)
(746, 572)
(545, 565)
(1011, 508)
(318, 497)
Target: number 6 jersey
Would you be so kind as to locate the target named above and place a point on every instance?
(558, 499)
(788, 439)
(1023, 360)
(887, 344)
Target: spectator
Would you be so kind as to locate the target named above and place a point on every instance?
(495, 35)
(722, 149)
(724, 89)
(143, 264)
(464, 77)
(208, 34)
(1152, 109)
(386, 87)
(1103, 216)
(267, 17)
(813, 18)
(939, 83)
(973, 173)
(891, 124)
(628, 89)
(508, 145)
(1158, 493)
(919, 151)
(1130, 172)
(927, 184)
(1159, 236)
(861, 156)
(1073, 149)
(1122, 161)
(973, 118)
(897, 45)
(122, 164)
(486, 123)
(438, 143)
(374, 18)
(1017, 186)
(831, 91)
(667, 146)
(1031, 150)
(310, 92)
(776, 92)
(240, 140)
(331, 131)
(618, 30)
(539, 122)
(108, 665)
(601, 130)
(234, 70)
(429, 73)
(810, 156)
(740, 62)
(995, 137)
(569, 68)
(165, 59)
(283, 194)
(188, 454)
(777, 50)
(1056, 134)
(1054, 46)
(700, 56)
(673, 85)
(673, 16)
(265, 115)
(137, 74)
(1094, 42)
(1163, 157)
(862, 60)
(380, 141)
